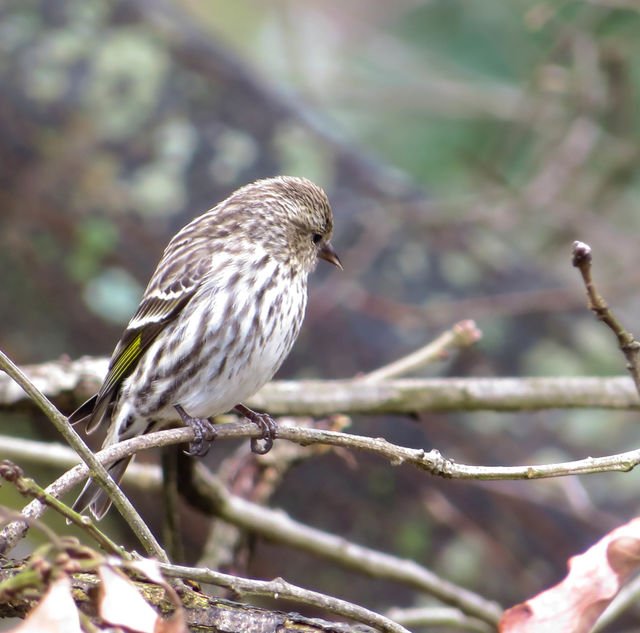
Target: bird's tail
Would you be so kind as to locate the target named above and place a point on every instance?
(94, 497)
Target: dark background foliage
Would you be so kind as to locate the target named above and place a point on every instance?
(464, 147)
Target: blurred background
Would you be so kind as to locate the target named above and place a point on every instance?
(464, 146)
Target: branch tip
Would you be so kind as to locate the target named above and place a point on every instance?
(467, 332)
(581, 254)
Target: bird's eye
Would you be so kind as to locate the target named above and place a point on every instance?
(316, 237)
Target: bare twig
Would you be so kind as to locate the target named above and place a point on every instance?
(98, 472)
(278, 526)
(630, 347)
(7, 514)
(226, 546)
(431, 461)
(22, 586)
(325, 397)
(279, 588)
(438, 617)
(29, 488)
(412, 395)
(462, 334)
(60, 456)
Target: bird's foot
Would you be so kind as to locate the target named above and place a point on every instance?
(204, 433)
(260, 445)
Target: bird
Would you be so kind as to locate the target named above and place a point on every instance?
(220, 314)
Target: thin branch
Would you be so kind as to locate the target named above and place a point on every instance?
(432, 461)
(436, 464)
(56, 455)
(321, 398)
(255, 518)
(255, 479)
(440, 617)
(203, 612)
(16, 530)
(462, 334)
(350, 396)
(7, 514)
(630, 347)
(29, 488)
(279, 588)
(98, 472)
(277, 526)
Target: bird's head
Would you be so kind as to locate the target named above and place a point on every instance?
(291, 218)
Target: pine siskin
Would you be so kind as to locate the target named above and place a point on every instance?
(220, 314)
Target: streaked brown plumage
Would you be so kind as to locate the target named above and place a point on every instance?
(220, 314)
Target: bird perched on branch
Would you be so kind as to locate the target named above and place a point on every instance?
(220, 314)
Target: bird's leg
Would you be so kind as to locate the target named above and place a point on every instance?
(204, 433)
(265, 423)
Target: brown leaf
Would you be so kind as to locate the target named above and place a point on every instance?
(176, 623)
(121, 604)
(55, 613)
(594, 579)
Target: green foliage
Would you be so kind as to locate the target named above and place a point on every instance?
(95, 239)
(114, 294)
(477, 37)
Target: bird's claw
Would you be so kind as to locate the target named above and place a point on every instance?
(204, 433)
(265, 423)
(264, 443)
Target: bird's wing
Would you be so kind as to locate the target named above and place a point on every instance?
(127, 354)
(172, 286)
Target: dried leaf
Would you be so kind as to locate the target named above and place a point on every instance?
(55, 613)
(150, 568)
(594, 579)
(176, 623)
(121, 604)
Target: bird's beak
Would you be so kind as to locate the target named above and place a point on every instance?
(327, 252)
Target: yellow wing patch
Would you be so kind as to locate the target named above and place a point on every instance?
(125, 360)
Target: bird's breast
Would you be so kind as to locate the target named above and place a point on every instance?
(251, 326)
